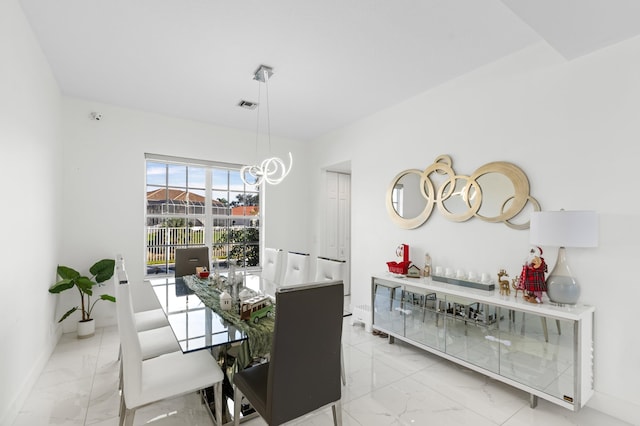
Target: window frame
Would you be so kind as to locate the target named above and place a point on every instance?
(171, 210)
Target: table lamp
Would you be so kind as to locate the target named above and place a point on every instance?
(563, 229)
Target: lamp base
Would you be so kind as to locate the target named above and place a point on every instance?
(562, 288)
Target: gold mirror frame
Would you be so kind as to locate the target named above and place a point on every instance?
(511, 204)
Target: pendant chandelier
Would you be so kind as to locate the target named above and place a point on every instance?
(271, 170)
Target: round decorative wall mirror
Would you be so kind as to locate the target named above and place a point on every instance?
(407, 201)
(495, 192)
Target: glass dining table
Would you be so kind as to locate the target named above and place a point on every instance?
(192, 307)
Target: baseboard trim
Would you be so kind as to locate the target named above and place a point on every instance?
(615, 407)
(16, 404)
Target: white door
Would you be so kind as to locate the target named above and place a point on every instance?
(337, 220)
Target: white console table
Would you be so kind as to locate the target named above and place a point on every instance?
(503, 337)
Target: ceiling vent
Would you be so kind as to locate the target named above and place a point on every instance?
(247, 104)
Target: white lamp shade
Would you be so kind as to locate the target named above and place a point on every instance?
(564, 228)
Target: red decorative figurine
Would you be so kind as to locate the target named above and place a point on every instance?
(532, 279)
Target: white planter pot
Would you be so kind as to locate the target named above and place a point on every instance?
(86, 329)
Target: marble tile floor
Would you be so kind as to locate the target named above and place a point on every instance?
(386, 385)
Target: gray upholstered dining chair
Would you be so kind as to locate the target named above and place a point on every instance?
(303, 373)
(189, 258)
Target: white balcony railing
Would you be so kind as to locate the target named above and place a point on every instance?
(162, 242)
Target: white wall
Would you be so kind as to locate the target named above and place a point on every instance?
(30, 176)
(573, 127)
(104, 184)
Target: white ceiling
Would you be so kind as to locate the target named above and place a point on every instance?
(335, 61)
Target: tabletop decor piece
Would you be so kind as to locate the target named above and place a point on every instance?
(244, 295)
(505, 288)
(400, 268)
(100, 272)
(413, 272)
(225, 301)
(426, 272)
(202, 271)
(516, 285)
(532, 281)
(479, 284)
(256, 308)
(260, 334)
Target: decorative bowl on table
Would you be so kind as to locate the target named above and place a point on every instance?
(203, 274)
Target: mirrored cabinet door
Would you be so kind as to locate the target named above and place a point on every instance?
(387, 305)
(424, 318)
(539, 352)
(471, 330)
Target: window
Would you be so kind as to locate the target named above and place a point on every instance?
(199, 203)
(396, 197)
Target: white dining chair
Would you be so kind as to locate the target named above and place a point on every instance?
(332, 270)
(272, 264)
(146, 319)
(163, 377)
(329, 269)
(297, 268)
(154, 341)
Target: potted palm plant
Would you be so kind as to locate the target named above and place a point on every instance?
(100, 271)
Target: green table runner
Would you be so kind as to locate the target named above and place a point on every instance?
(259, 335)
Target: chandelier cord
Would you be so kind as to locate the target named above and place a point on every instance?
(266, 85)
(258, 121)
(272, 170)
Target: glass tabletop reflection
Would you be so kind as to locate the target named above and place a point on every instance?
(195, 325)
